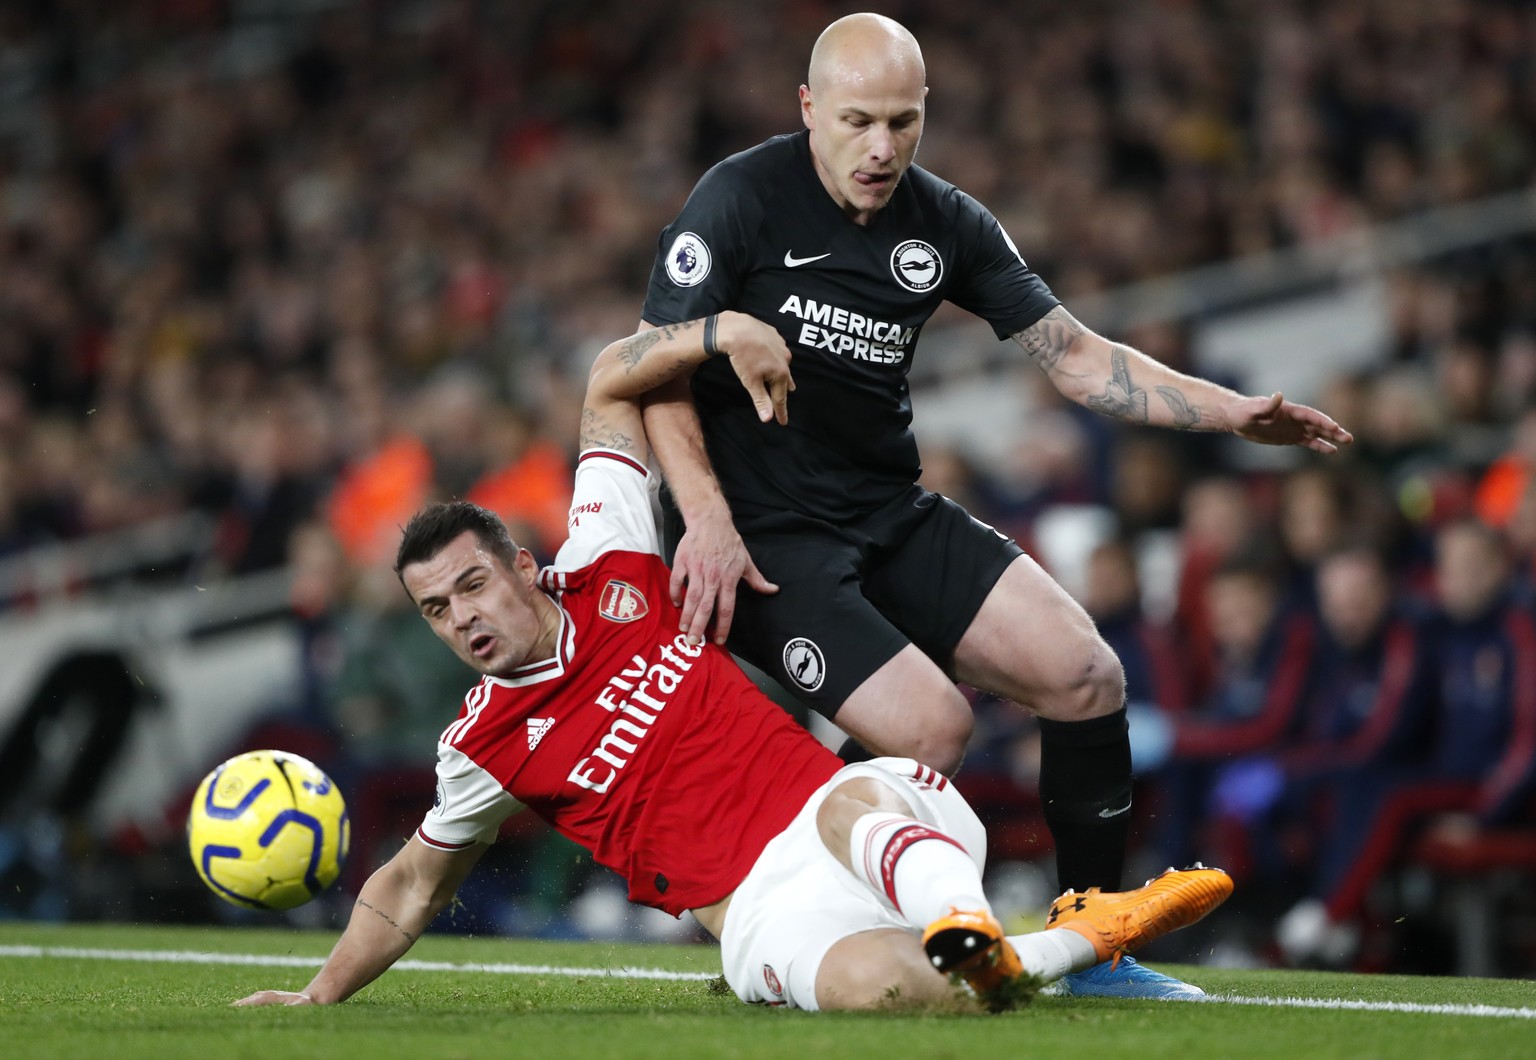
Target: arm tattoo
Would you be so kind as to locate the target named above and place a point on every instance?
(1121, 398)
(1050, 338)
(596, 435)
(1185, 415)
(634, 348)
(388, 920)
(672, 330)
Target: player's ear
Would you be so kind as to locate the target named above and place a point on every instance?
(526, 566)
(807, 107)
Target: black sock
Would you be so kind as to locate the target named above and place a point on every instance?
(1085, 789)
(852, 751)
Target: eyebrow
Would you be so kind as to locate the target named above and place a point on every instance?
(860, 112)
(464, 575)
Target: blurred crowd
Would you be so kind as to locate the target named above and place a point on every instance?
(300, 266)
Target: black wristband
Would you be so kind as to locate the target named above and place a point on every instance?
(710, 349)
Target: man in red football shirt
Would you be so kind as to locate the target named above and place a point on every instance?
(827, 886)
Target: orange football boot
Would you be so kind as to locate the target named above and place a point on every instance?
(1119, 921)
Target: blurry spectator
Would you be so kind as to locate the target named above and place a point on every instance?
(374, 496)
(1482, 755)
(1369, 697)
(1350, 395)
(322, 582)
(1486, 650)
(1514, 389)
(1264, 653)
(528, 481)
(1146, 482)
(1367, 705)
(278, 461)
(1218, 517)
(1403, 431)
(1316, 510)
(1510, 476)
(1465, 371)
(1148, 652)
(1050, 463)
(463, 445)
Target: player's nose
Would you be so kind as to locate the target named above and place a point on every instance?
(882, 145)
(462, 612)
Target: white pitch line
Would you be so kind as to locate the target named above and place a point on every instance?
(277, 961)
(1372, 1006)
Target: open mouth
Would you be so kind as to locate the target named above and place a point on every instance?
(481, 644)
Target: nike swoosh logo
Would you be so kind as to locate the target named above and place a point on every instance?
(790, 261)
(1114, 813)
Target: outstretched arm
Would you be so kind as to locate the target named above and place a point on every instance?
(395, 907)
(1115, 380)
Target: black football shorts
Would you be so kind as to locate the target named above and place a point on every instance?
(851, 596)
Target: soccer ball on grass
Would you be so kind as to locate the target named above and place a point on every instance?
(268, 830)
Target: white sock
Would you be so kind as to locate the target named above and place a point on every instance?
(1052, 953)
(914, 867)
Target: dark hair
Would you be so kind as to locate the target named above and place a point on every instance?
(1257, 559)
(431, 529)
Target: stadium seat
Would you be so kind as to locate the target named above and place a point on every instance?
(1483, 870)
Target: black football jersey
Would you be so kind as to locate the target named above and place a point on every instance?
(761, 235)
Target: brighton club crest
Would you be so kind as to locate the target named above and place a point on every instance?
(917, 266)
(621, 602)
(804, 663)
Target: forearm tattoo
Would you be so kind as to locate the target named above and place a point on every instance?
(1050, 338)
(599, 435)
(633, 348)
(1185, 415)
(388, 920)
(1121, 399)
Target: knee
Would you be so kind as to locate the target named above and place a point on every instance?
(942, 745)
(849, 801)
(1092, 688)
(933, 729)
(939, 741)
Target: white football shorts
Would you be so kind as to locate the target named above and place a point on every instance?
(798, 900)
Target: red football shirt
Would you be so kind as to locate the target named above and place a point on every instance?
(662, 759)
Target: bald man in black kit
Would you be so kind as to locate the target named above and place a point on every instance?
(870, 595)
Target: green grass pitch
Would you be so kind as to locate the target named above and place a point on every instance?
(54, 1005)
